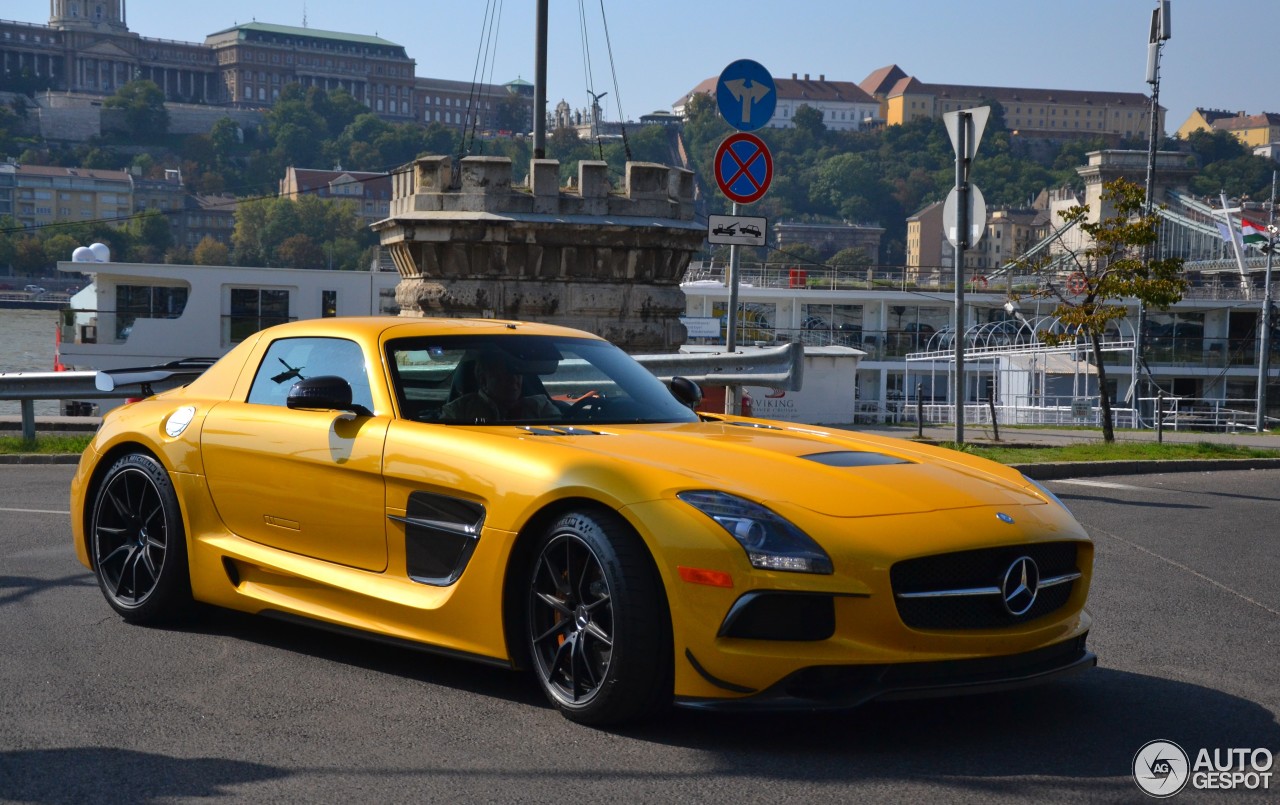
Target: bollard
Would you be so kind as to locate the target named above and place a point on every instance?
(1160, 417)
(919, 411)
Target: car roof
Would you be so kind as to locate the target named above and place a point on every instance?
(384, 327)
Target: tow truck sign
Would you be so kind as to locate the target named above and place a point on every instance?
(735, 230)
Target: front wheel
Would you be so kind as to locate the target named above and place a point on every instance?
(598, 626)
(137, 542)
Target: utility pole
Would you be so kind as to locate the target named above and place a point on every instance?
(540, 84)
(1160, 25)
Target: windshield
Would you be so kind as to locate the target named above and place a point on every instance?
(525, 380)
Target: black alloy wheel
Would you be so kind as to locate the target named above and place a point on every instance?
(598, 628)
(137, 542)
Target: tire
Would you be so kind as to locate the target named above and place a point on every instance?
(597, 627)
(138, 544)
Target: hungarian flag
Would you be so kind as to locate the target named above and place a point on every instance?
(1253, 232)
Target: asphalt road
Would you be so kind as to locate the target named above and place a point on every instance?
(93, 710)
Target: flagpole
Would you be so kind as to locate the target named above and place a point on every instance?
(1236, 245)
(1264, 343)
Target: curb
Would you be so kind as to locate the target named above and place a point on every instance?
(1090, 469)
(40, 458)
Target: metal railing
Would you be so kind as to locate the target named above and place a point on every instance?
(27, 387)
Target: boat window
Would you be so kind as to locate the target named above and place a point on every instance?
(135, 302)
(289, 360)
(254, 309)
(328, 304)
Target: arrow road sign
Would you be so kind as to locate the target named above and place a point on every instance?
(744, 167)
(729, 230)
(746, 95)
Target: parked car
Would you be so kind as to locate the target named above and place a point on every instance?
(529, 496)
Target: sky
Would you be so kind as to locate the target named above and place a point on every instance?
(1217, 56)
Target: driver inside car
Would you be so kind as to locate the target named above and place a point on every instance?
(499, 396)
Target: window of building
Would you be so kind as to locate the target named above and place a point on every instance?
(328, 304)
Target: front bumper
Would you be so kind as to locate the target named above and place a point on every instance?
(833, 687)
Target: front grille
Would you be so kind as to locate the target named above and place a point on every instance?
(973, 579)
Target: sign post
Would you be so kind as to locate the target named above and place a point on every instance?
(965, 129)
(747, 98)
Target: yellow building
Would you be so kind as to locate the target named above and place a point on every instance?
(1053, 113)
(44, 194)
(1250, 130)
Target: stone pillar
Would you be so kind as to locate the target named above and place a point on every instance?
(468, 243)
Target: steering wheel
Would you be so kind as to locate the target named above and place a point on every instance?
(587, 404)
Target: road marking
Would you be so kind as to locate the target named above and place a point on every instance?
(35, 511)
(1102, 484)
(1183, 567)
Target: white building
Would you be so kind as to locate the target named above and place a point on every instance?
(843, 104)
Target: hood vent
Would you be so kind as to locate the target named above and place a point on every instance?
(855, 458)
(559, 430)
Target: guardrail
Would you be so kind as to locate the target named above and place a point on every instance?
(27, 387)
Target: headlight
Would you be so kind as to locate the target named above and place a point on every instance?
(1044, 490)
(771, 542)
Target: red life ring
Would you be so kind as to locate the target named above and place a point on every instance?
(979, 281)
(1076, 284)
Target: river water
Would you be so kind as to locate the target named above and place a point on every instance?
(26, 345)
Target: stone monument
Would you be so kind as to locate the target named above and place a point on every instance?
(468, 243)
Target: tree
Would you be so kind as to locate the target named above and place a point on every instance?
(143, 105)
(151, 236)
(809, 121)
(29, 257)
(850, 257)
(300, 251)
(511, 115)
(209, 252)
(1112, 267)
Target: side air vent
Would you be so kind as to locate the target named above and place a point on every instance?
(440, 534)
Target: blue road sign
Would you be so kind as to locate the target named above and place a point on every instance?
(743, 167)
(746, 95)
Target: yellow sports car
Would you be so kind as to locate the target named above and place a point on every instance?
(530, 496)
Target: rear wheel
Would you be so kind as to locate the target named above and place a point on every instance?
(137, 541)
(598, 628)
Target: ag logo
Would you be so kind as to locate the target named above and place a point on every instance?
(1160, 768)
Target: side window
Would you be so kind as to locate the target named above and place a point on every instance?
(289, 360)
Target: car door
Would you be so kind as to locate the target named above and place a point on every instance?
(304, 481)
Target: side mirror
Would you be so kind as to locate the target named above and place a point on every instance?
(686, 391)
(324, 392)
